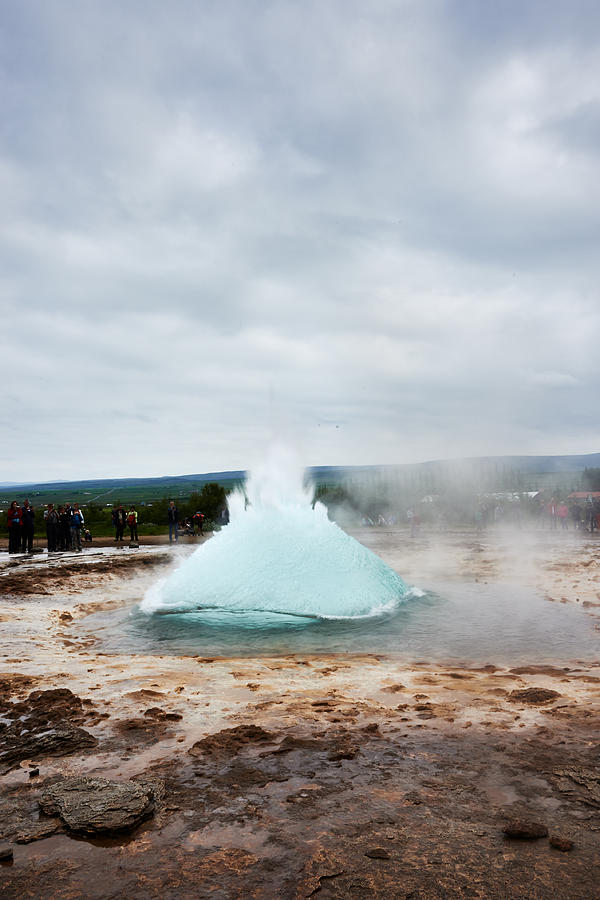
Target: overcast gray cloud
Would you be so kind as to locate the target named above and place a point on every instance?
(372, 226)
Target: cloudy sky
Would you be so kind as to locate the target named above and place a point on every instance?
(370, 226)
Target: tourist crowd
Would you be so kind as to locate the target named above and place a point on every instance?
(122, 519)
(549, 515)
(191, 526)
(64, 527)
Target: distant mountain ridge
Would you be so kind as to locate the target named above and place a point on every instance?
(526, 464)
(98, 483)
(546, 465)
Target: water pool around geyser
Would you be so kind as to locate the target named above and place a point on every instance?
(282, 578)
(463, 622)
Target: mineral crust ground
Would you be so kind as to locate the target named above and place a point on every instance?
(329, 775)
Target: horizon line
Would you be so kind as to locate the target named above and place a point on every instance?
(233, 473)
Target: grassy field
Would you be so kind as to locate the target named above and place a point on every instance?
(125, 494)
(454, 485)
(126, 490)
(149, 496)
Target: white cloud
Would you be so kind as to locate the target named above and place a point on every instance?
(554, 379)
(377, 223)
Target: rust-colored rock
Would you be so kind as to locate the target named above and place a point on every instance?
(43, 725)
(231, 740)
(155, 712)
(561, 843)
(523, 830)
(534, 695)
(377, 853)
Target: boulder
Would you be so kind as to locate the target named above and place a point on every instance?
(524, 830)
(97, 805)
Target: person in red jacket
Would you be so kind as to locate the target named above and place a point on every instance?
(198, 521)
(563, 515)
(15, 523)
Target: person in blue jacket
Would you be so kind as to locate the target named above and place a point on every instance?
(77, 523)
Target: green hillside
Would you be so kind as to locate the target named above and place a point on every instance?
(517, 473)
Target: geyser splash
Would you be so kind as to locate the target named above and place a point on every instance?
(279, 556)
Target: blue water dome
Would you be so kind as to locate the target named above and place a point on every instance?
(281, 556)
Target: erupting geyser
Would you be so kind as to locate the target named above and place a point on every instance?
(279, 556)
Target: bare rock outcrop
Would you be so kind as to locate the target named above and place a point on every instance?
(97, 805)
(46, 724)
(534, 695)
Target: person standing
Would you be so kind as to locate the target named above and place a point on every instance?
(28, 520)
(551, 510)
(596, 513)
(15, 521)
(64, 528)
(541, 513)
(121, 521)
(173, 517)
(77, 522)
(52, 528)
(114, 516)
(563, 514)
(68, 533)
(132, 518)
(198, 522)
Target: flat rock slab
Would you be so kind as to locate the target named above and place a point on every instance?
(16, 743)
(98, 806)
(579, 783)
(231, 740)
(534, 695)
(20, 822)
(46, 724)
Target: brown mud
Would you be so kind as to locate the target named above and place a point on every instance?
(296, 776)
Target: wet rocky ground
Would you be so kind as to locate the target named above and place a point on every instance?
(293, 776)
